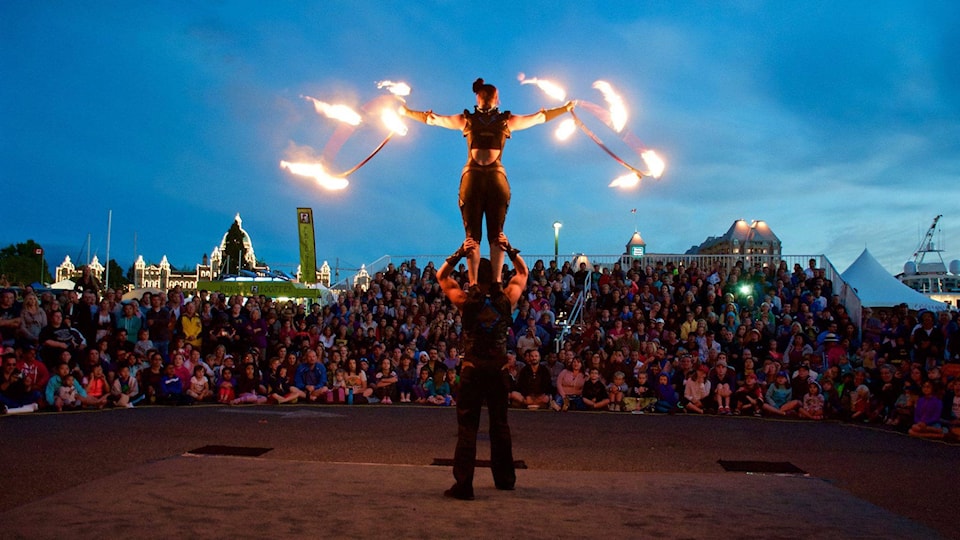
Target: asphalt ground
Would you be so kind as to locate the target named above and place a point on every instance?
(367, 471)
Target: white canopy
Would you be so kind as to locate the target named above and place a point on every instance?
(877, 288)
(64, 285)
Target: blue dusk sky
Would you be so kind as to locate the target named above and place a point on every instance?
(837, 123)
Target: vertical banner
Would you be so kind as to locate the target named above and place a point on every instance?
(308, 256)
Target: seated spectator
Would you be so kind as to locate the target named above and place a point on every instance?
(667, 398)
(749, 397)
(199, 387)
(832, 404)
(249, 387)
(97, 387)
(311, 377)
(125, 391)
(406, 378)
(421, 390)
(594, 393)
(226, 386)
(926, 415)
(860, 404)
(644, 392)
(171, 388)
(438, 391)
(813, 403)
(385, 382)
(16, 389)
(617, 389)
(570, 387)
(696, 390)
(67, 394)
(779, 397)
(723, 382)
(533, 384)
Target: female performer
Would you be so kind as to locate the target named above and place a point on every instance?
(484, 190)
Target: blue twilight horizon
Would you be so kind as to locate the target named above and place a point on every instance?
(836, 123)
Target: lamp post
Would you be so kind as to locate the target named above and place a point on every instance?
(556, 240)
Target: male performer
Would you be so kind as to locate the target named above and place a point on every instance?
(486, 310)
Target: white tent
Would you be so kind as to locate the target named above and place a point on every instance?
(64, 285)
(877, 288)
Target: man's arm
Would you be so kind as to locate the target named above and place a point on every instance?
(518, 282)
(451, 289)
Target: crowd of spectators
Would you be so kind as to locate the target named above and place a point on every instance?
(658, 338)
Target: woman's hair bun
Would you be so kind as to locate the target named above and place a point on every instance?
(478, 85)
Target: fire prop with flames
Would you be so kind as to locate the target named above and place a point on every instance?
(383, 107)
(615, 118)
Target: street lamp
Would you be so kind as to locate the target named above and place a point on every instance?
(556, 240)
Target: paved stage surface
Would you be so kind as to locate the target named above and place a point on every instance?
(367, 472)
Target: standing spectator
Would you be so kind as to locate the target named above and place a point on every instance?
(158, 326)
(32, 319)
(9, 317)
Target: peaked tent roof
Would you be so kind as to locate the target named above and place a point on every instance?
(877, 288)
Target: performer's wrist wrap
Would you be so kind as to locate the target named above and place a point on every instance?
(453, 259)
(511, 251)
(420, 116)
(550, 114)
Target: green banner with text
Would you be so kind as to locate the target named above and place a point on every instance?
(308, 255)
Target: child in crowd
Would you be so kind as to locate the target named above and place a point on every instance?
(860, 404)
(281, 389)
(454, 381)
(421, 390)
(644, 392)
(126, 390)
(812, 408)
(667, 398)
(832, 405)
(749, 397)
(226, 386)
(779, 397)
(338, 390)
(438, 390)
(927, 413)
(406, 378)
(249, 389)
(180, 369)
(594, 394)
(385, 382)
(696, 389)
(143, 345)
(67, 396)
(171, 388)
(199, 389)
(616, 391)
(97, 387)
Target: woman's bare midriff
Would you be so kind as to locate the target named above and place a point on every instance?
(484, 156)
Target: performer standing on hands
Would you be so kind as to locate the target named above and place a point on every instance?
(484, 190)
(486, 312)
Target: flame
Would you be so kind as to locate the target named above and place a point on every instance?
(339, 112)
(566, 128)
(655, 164)
(550, 88)
(618, 110)
(315, 171)
(396, 88)
(628, 180)
(391, 118)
